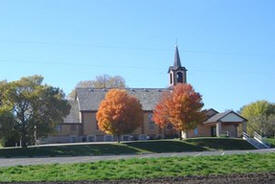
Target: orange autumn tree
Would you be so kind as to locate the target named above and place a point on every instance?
(119, 113)
(182, 107)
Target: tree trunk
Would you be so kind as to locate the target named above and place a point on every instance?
(118, 138)
(181, 135)
(23, 137)
(23, 141)
(35, 134)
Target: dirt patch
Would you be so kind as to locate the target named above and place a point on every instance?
(263, 178)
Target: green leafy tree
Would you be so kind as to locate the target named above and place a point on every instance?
(260, 115)
(271, 125)
(9, 136)
(2, 86)
(30, 109)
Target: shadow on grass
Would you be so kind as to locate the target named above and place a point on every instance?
(165, 146)
(221, 143)
(157, 146)
(72, 150)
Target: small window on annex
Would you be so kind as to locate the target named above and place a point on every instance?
(196, 131)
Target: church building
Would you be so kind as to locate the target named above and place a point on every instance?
(81, 124)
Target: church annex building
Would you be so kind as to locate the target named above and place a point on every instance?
(81, 125)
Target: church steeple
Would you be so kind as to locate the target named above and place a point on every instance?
(177, 58)
(177, 73)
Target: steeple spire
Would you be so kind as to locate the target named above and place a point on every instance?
(177, 73)
(177, 62)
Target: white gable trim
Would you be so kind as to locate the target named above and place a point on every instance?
(232, 117)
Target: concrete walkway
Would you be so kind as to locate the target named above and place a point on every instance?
(77, 159)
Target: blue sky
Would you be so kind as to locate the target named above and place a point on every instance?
(228, 47)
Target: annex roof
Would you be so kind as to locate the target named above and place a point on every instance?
(210, 112)
(227, 116)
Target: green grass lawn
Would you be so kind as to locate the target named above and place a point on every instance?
(271, 141)
(221, 143)
(139, 147)
(142, 168)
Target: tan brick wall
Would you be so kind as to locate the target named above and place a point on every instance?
(203, 131)
(90, 124)
(139, 130)
(150, 128)
(90, 127)
(232, 128)
(69, 130)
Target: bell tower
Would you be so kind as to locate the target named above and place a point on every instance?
(177, 73)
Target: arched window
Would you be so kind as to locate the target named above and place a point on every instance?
(171, 78)
(179, 77)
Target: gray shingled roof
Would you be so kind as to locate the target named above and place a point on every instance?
(73, 117)
(90, 98)
(219, 116)
(210, 112)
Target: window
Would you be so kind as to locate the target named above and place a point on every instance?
(171, 80)
(58, 128)
(179, 77)
(169, 126)
(91, 138)
(151, 125)
(73, 128)
(196, 131)
(108, 138)
(150, 117)
(73, 139)
(151, 122)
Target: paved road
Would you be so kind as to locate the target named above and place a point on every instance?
(50, 160)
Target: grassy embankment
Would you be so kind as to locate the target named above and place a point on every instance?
(139, 147)
(271, 141)
(142, 168)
